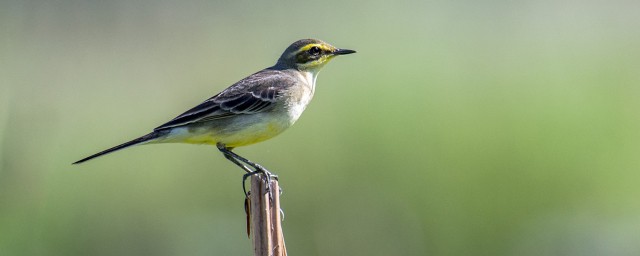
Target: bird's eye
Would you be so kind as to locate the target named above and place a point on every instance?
(314, 50)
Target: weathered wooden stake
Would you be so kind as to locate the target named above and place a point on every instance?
(264, 216)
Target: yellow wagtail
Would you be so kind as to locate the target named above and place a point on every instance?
(252, 110)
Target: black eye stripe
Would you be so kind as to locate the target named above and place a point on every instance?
(313, 53)
(314, 50)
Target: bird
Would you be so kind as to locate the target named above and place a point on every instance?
(252, 110)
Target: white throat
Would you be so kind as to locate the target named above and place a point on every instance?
(311, 76)
(297, 107)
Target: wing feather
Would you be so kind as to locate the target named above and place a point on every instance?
(254, 94)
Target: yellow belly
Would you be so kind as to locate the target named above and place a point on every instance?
(246, 136)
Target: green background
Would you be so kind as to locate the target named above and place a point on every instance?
(459, 127)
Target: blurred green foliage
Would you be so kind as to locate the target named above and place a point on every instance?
(459, 128)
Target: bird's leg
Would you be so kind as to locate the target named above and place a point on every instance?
(242, 166)
(245, 176)
(236, 159)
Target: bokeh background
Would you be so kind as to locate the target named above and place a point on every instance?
(459, 127)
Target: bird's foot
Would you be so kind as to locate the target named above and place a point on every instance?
(267, 175)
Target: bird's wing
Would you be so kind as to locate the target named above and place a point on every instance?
(254, 94)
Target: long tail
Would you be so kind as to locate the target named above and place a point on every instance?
(137, 141)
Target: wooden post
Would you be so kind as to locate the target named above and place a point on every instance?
(264, 218)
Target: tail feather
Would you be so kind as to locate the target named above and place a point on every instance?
(137, 141)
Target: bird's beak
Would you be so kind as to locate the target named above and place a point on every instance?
(343, 51)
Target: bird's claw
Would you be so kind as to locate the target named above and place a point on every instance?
(268, 176)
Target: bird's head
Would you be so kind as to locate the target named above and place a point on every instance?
(309, 55)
